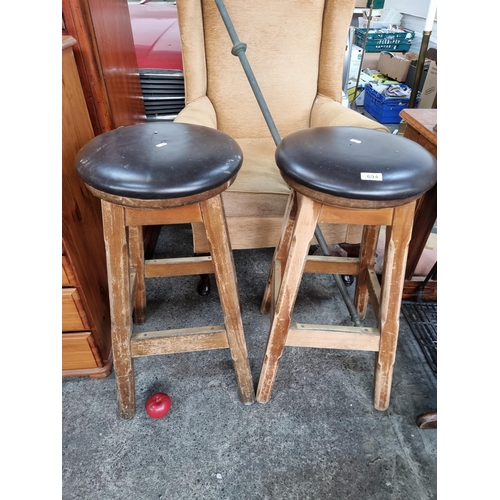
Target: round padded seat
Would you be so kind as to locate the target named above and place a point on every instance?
(156, 161)
(357, 164)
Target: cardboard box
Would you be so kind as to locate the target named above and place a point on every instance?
(395, 65)
(370, 60)
(428, 97)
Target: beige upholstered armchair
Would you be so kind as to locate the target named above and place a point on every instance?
(296, 50)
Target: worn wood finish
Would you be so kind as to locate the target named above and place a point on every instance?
(308, 212)
(281, 250)
(161, 206)
(179, 340)
(128, 270)
(115, 238)
(137, 263)
(385, 298)
(181, 266)
(374, 291)
(333, 337)
(225, 274)
(277, 276)
(396, 249)
(375, 217)
(84, 259)
(374, 208)
(265, 232)
(420, 128)
(321, 264)
(367, 261)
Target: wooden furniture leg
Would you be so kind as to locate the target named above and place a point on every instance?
(396, 248)
(366, 262)
(281, 251)
(115, 239)
(225, 273)
(427, 420)
(136, 249)
(307, 218)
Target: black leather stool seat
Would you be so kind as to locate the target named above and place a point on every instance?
(152, 161)
(356, 163)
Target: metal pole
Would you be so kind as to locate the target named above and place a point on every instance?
(239, 49)
(420, 68)
(362, 57)
(429, 23)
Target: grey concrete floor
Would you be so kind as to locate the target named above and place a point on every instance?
(319, 436)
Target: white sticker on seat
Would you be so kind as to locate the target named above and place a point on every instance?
(369, 176)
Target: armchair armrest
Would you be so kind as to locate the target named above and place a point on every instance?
(327, 113)
(199, 112)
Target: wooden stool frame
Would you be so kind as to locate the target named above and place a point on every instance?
(305, 209)
(123, 219)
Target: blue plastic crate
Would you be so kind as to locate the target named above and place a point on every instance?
(385, 109)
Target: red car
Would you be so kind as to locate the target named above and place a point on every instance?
(159, 57)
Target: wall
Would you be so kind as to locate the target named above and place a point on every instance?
(414, 15)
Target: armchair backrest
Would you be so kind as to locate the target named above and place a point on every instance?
(296, 50)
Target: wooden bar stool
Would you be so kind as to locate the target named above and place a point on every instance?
(164, 173)
(345, 175)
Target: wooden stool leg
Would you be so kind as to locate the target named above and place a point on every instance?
(225, 274)
(307, 217)
(397, 239)
(281, 251)
(136, 250)
(366, 261)
(117, 258)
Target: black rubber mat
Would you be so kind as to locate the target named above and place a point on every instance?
(422, 318)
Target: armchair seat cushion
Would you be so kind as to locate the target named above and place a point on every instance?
(259, 173)
(301, 81)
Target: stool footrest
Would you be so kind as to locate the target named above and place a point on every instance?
(321, 264)
(333, 337)
(203, 338)
(181, 266)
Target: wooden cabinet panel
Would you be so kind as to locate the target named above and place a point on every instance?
(85, 303)
(73, 314)
(106, 61)
(65, 279)
(77, 352)
(68, 277)
(100, 91)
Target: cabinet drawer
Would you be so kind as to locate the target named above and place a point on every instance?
(65, 278)
(76, 351)
(73, 314)
(68, 278)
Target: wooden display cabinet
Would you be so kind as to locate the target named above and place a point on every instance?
(86, 328)
(106, 61)
(101, 91)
